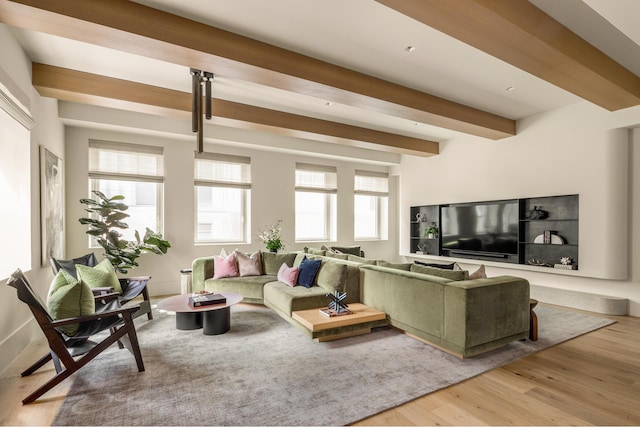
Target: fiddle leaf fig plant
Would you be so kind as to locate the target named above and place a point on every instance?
(121, 253)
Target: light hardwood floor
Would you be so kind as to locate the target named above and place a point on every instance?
(590, 380)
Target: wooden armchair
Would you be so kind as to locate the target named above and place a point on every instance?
(132, 287)
(63, 348)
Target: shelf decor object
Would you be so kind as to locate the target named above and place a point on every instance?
(537, 213)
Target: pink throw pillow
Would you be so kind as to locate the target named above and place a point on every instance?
(288, 275)
(225, 266)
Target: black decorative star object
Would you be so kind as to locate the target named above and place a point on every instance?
(337, 302)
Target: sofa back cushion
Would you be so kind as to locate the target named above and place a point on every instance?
(331, 276)
(440, 272)
(361, 260)
(271, 262)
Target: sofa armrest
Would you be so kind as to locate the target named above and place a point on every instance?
(481, 311)
(201, 270)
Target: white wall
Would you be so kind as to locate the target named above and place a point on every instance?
(574, 150)
(17, 327)
(272, 199)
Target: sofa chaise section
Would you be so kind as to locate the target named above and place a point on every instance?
(463, 317)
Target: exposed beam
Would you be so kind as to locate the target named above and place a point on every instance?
(135, 28)
(522, 35)
(76, 86)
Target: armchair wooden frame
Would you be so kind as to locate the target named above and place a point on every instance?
(132, 287)
(119, 322)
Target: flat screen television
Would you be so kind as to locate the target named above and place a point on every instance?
(483, 228)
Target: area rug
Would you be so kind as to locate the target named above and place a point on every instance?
(265, 371)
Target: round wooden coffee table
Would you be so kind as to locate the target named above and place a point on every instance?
(213, 319)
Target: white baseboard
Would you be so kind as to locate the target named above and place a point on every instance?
(596, 303)
(15, 343)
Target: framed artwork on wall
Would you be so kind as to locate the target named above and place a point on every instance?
(51, 205)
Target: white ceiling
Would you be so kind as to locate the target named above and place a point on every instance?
(368, 37)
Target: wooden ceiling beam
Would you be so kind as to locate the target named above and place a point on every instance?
(76, 86)
(522, 35)
(138, 29)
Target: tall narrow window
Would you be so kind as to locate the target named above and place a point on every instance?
(223, 190)
(370, 205)
(137, 173)
(316, 190)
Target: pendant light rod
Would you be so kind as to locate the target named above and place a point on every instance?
(208, 77)
(198, 79)
(195, 88)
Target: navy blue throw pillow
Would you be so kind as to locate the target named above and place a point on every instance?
(307, 271)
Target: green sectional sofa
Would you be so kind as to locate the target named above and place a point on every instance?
(462, 316)
(334, 274)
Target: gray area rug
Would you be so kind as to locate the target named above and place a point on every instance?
(267, 372)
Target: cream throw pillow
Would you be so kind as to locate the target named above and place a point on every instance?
(249, 264)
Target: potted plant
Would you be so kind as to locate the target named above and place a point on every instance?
(271, 237)
(431, 232)
(122, 254)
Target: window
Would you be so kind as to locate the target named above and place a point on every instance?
(137, 173)
(15, 187)
(316, 189)
(370, 205)
(223, 190)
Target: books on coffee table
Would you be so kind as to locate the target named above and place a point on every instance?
(199, 300)
(329, 312)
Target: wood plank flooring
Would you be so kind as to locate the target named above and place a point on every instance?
(591, 380)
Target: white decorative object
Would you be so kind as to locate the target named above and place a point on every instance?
(555, 239)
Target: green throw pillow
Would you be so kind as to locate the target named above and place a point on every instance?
(69, 297)
(101, 276)
(440, 272)
(271, 262)
(331, 276)
(400, 266)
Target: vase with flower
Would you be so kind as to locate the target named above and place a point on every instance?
(271, 237)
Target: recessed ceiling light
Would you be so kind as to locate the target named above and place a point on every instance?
(416, 124)
(510, 88)
(409, 49)
(329, 103)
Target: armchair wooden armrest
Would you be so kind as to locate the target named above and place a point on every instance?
(91, 317)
